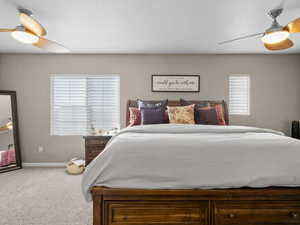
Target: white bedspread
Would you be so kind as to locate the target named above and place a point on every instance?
(195, 156)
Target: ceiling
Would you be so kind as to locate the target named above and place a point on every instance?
(149, 26)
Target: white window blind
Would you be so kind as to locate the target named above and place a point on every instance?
(79, 103)
(239, 95)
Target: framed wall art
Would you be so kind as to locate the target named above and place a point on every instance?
(175, 83)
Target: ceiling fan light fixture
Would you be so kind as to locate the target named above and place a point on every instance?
(20, 34)
(275, 37)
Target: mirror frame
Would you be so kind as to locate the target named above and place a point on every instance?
(14, 116)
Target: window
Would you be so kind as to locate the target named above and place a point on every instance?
(239, 95)
(79, 103)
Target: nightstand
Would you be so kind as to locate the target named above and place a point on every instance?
(94, 145)
(296, 129)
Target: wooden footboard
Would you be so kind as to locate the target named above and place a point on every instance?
(272, 206)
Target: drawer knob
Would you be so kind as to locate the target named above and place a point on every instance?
(231, 215)
(294, 215)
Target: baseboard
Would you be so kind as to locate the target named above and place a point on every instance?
(44, 164)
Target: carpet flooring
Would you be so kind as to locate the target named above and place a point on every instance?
(42, 196)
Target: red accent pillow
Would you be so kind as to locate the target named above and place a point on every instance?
(220, 114)
(134, 116)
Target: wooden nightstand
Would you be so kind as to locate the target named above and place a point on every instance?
(93, 146)
(296, 129)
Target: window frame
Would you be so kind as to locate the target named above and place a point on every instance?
(248, 113)
(52, 132)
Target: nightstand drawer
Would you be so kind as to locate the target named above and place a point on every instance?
(101, 141)
(94, 145)
(94, 148)
(92, 155)
(92, 151)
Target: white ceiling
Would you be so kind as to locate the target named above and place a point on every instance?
(149, 26)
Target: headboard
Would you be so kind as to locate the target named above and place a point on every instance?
(133, 103)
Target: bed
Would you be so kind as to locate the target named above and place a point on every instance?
(206, 175)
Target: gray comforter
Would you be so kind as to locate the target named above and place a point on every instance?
(195, 156)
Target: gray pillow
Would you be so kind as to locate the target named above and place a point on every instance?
(152, 104)
(154, 115)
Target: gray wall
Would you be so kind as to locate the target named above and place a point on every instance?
(275, 94)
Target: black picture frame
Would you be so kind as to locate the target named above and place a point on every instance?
(153, 89)
(14, 110)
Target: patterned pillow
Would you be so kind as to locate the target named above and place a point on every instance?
(220, 113)
(197, 106)
(181, 114)
(134, 116)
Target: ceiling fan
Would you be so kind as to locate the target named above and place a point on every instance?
(276, 37)
(32, 32)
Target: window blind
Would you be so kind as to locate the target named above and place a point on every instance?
(79, 103)
(239, 95)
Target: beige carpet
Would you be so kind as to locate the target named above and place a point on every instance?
(42, 196)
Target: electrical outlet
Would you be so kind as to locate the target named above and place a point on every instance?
(40, 149)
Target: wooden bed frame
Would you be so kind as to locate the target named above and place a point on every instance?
(241, 206)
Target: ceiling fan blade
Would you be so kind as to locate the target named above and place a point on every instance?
(32, 24)
(280, 46)
(6, 30)
(294, 26)
(240, 38)
(50, 46)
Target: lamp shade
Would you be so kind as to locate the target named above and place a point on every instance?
(24, 36)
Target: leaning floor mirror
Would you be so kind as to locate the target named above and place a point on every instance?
(10, 157)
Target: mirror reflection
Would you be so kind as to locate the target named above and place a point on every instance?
(7, 145)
